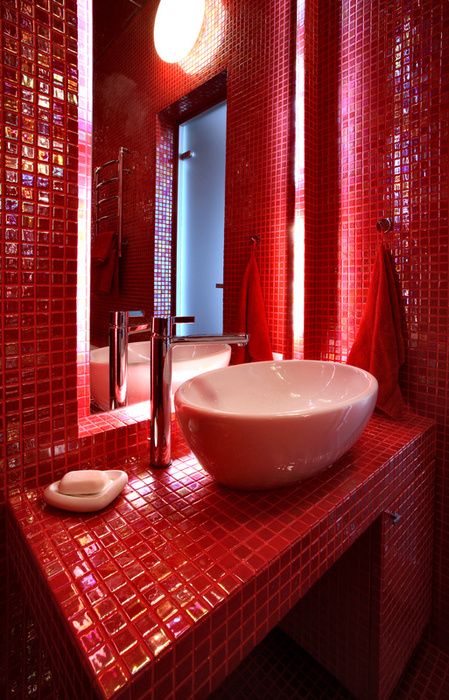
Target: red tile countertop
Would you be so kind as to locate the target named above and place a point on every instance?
(164, 592)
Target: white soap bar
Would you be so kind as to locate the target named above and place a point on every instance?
(83, 482)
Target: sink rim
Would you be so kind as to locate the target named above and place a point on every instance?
(139, 368)
(181, 398)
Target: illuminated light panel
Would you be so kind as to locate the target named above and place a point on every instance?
(209, 41)
(85, 120)
(299, 227)
(177, 27)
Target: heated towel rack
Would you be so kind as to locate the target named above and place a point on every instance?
(109, 195)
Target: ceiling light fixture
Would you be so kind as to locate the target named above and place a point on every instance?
(177, 27)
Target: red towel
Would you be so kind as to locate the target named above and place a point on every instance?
(252, 318)
(379, 346)
(104, 256)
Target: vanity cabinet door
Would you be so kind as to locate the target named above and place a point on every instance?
(364, 617)
(333, 620)
(402, 582)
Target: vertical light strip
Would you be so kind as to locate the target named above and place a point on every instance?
(163, 211)
(85, 59)
(298, 230)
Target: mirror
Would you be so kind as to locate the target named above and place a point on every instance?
(122, 190)
(139, 102)
(132, 259)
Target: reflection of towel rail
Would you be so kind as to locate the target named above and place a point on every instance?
(105, 165)
(106, 182)
(99, 201)
(107, 199)
(106, 216)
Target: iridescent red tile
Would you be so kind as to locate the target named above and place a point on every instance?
(376, 107)
(147, 587)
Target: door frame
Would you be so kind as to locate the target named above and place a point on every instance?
(168, 121)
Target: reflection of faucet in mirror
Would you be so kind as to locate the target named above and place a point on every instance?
(120, 329)
(163, 339)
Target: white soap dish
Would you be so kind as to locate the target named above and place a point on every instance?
(117, 480)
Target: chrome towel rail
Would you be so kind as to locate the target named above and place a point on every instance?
(116, 215)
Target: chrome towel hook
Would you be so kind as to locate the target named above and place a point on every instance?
(384, 225)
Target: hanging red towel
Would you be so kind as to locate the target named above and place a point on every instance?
(252, 317)
(379, 346)
(104, 256)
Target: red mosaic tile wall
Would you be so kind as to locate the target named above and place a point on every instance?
(382, 148)
(279, 668)
(387, 156)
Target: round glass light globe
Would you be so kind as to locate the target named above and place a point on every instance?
(177, 27)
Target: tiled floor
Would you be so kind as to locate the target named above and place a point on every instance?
(426, 677)
(279, 670)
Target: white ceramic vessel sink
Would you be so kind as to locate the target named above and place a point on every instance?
(266, 424)
(188, 361)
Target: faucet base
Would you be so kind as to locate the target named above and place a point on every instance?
(160, 456)
(159, 466)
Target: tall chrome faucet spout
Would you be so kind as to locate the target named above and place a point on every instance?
(119, 330)
(118, 358)
(162, 341)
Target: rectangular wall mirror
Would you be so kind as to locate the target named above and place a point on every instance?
(134, 156)
(185, 273)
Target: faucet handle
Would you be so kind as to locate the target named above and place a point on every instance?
(163, 325)
(184, 319)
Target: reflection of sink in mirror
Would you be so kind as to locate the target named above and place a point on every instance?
(268, 424)
(187, 361)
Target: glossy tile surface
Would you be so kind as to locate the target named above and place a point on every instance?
(189, 573)
(45, 426)
(363, 619)
(388, 59)
(377, 107)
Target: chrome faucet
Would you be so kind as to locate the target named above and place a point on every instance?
(163, 339)
(120, 329)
